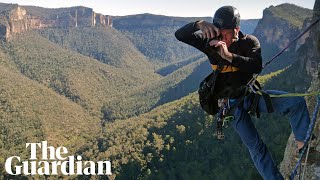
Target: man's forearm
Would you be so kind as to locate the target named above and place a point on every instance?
(185, 32)
(187, 35)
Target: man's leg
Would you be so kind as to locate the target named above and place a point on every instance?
(295, 108)
(258, 150)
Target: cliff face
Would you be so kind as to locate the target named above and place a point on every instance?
(13, 21)
(17, 19)
(274, 33)
(309, 53)
(309, 58)
(278, 26)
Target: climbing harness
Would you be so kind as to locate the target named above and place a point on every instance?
(307, 139)
(226, 107)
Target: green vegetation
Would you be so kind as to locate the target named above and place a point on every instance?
(164, 71)
(293, 14)
(154, 36)
(174, 140)
(51, 12)
(265, 78)
(177, 141)
(294, 78)
(172, 87)
(159, 44)
(104, 44)
(31, 112)
(84, 80)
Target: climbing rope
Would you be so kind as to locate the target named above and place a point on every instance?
(309, 133)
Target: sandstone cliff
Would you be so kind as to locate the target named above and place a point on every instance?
(17, 19)
(278, 26)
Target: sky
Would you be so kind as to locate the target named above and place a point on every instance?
(249, 9)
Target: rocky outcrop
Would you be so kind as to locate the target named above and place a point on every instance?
(303, 39)
(16, 19)
(277, 28)
(309, 59)
(13, 21)
(274, 31)
(279, 25)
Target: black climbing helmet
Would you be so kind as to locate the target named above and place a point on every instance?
(226, 17)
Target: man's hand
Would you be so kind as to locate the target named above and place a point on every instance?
(222, 49)
(208, 29)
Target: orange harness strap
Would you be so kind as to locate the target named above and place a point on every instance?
(225, 68)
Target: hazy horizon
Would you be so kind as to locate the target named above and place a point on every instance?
(251, 9)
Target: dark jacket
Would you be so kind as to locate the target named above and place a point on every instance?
(247, 59)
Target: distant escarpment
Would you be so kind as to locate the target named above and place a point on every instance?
(16, 19)
(279, 25)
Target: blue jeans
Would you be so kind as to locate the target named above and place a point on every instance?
(294, 107)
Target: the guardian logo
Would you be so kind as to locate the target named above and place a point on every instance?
(57, 163)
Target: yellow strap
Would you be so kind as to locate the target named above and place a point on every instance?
(225, 69)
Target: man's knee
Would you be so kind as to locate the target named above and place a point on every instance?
(299, 102)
